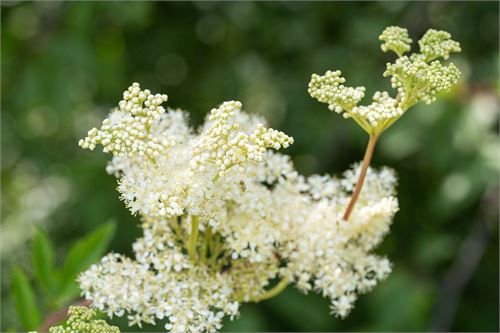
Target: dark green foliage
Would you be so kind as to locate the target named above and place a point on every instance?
(25, 300)
(58, 285)
(42, 260)
(82, 254)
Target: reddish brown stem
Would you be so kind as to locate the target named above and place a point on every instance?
(357, 190)
(58, 316)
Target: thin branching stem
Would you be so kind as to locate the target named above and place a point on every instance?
(364, 167)
(273, 291)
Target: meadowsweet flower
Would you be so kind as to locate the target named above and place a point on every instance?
(223, 217)
(334, 256)
(341, 261)
(227, 219)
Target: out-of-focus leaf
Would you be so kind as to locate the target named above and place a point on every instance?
(404, 294)
(251, 320)
(85, 252)
(292, 307)
(24, 300)
(42, 259)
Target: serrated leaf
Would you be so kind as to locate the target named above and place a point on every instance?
(42, 259)
(24, 300)
(85, 252)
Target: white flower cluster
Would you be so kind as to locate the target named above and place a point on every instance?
(329, 89)
(225, 146)
(395, 39)
(127, 131)
(383, 108)
(418, 77)
(160, 285)
(333, 257)
(213, 240)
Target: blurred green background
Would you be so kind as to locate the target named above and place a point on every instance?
(65, 64)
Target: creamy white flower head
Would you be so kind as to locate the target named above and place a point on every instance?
(213, 240)
(160, 285)
(333, 256)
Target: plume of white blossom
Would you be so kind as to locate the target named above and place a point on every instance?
(224, 217)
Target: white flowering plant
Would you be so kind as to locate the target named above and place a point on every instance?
(227, 219)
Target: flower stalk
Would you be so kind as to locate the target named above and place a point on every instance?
(193, 238)
(278, 288)
(359, 184)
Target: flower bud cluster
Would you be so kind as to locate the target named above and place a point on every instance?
(143, 104)
(437, 44)
(225, 146)
(126, 132)
(395, 39)
(329, 89)
(417, 77)
(82, 319)
(417, 80)
(383, 108)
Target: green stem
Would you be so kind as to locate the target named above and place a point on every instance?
(214, 251)
(206, 243)
(273, 291)
(193, 237)
(174, 225)
(362, 124)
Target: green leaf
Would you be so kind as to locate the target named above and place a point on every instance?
(85, 252)
(24, 300)
(42, 259)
